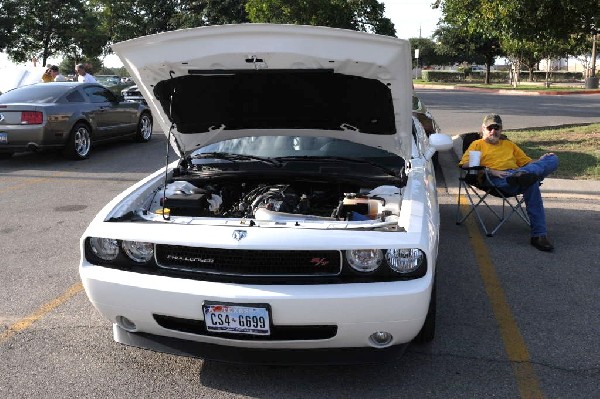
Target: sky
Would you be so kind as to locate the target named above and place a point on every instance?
(412, 18)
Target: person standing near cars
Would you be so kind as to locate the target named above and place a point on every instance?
(82, 75)
(47, 76)
(57, 77)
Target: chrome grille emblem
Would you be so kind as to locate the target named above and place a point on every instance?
(239, 234)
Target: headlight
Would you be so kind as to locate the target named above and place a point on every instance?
(404, 260)
(104, 248)
(139, 252)
(364, 260)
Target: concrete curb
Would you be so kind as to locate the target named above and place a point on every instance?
(508, 92)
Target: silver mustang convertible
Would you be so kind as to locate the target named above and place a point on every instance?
(300, 223)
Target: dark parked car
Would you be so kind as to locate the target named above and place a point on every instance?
(112, 83)
(132, 93)
(70, 116)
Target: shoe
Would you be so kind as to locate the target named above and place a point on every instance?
(522, 179)
(542, 243)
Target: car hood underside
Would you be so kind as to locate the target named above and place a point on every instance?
(215, 83)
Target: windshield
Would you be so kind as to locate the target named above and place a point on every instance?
(301, 146)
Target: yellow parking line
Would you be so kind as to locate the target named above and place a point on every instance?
(514, 344)
(30, 181)
(46, 308)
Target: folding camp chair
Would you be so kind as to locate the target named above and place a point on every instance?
(478, 188)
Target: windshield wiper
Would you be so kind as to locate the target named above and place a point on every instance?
(236, 157)
(390, 171)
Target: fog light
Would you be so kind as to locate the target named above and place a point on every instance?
(126, 324)
(381, 339)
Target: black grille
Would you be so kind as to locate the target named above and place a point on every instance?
(243, 262)
(278, 333)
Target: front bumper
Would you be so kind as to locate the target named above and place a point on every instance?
(258, 356)
(354, 311)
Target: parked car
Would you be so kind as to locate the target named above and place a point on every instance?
(132, 93)
(70, 116)
(301, 221)
(424, 116)
(108, 80)
(114, 83)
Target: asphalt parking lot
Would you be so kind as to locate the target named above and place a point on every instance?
(511, 322)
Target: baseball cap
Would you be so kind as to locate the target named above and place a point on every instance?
(492, 119)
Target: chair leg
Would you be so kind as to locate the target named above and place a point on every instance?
(472, 192)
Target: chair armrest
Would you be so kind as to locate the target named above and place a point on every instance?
(469, 168)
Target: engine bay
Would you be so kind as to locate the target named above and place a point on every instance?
(276, 199)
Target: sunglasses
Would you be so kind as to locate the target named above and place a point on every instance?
(493, 127)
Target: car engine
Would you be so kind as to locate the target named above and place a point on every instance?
(278, 201)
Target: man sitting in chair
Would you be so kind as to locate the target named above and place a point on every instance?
(512, 171)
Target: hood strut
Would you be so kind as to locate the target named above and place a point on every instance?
(167, 217)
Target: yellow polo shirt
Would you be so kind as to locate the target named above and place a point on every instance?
(502, 156)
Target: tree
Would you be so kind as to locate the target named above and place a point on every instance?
(43, 29)
(467, 31)
(194, 13)
(88, 39)
(586, 14)
(522, 27)
(461, 45)
(9, 17)
(428, 53)
(128, 19)
(360, 15)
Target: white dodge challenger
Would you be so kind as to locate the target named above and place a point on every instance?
(299, 223)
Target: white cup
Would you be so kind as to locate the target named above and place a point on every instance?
(474, 158)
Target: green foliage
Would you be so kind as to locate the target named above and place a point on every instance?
(466, 75)
(45, 29)
(360, 15)
(527, 30)
(127, 19)
(8, 18)
(92, 64)
(428, 54)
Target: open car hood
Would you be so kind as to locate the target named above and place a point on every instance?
(215, 83)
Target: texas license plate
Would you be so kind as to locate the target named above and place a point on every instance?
(3, 138)
(252, 319)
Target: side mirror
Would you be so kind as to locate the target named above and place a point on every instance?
(438, 142)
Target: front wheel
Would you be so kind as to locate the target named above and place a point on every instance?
(143, 133)
(80, 142)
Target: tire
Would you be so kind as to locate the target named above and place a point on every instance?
(427, 332)
(143, 133)
(80, 142)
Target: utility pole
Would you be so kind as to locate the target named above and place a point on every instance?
(594, 40)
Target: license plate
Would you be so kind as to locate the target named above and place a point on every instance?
(251, 319)
(3, 138)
